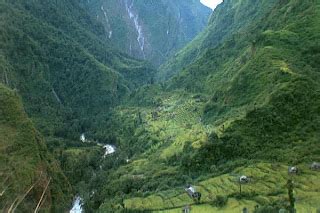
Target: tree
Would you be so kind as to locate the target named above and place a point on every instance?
(290, 187)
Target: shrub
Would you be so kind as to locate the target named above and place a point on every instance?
(220, 201)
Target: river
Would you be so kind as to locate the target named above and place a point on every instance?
(109, 149)
(77, 205)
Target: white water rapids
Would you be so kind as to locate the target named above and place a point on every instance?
(109, 149)
(77, 205)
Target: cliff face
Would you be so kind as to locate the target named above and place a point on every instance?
(152, 30)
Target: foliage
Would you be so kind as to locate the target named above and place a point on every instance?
(66, 74)
(259, 103)
(245, 101)
(220, 201)
(291, 196)
(166, 25)
(24, 161)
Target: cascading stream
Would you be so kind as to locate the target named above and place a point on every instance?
(107, 21)
(77, 205)
(138, 27)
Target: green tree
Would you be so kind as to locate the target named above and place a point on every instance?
(290, 187)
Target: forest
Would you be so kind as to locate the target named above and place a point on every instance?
(221, 116)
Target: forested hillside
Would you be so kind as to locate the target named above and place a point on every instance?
(233, 116)
(153, 30)
(58, 59)
(247, 104)
(229, 19)
(55, 56)
(27, 171)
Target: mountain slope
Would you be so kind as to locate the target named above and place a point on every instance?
(229, 17)
(26, 165)
(152, 30)
(244, 101)
(247, 106)
(64, 70)
(55, 56)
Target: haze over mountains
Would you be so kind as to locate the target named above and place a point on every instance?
(121, 104)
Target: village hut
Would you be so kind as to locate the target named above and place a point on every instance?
(244, 179)
(293, 170)
(315, 166)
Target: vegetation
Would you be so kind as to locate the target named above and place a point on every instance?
(249, 99)
(26, 165)
(67, 66)
(166, 25)
(243, 100)
(229, 19)
(220, 201)
(291, 196)
(54, 55)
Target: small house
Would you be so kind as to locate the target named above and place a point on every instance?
(293, 170)
(315, 166)
(244, 179)
(192, 192)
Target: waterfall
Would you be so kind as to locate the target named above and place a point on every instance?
(138, 27)
(56, 96)
(107, 21)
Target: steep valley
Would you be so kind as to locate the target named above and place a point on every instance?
(111, 127)
(152, 30)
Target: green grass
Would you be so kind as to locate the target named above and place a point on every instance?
(268, 184)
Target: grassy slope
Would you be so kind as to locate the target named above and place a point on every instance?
(268, 185)
(24, 160)
(259, 107)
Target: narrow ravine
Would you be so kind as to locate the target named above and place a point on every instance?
(109, 149)
(138, 27)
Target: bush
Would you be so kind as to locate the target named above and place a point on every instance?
(220, 201)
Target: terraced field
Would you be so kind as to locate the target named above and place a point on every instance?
(267, 180)
(177, 120)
